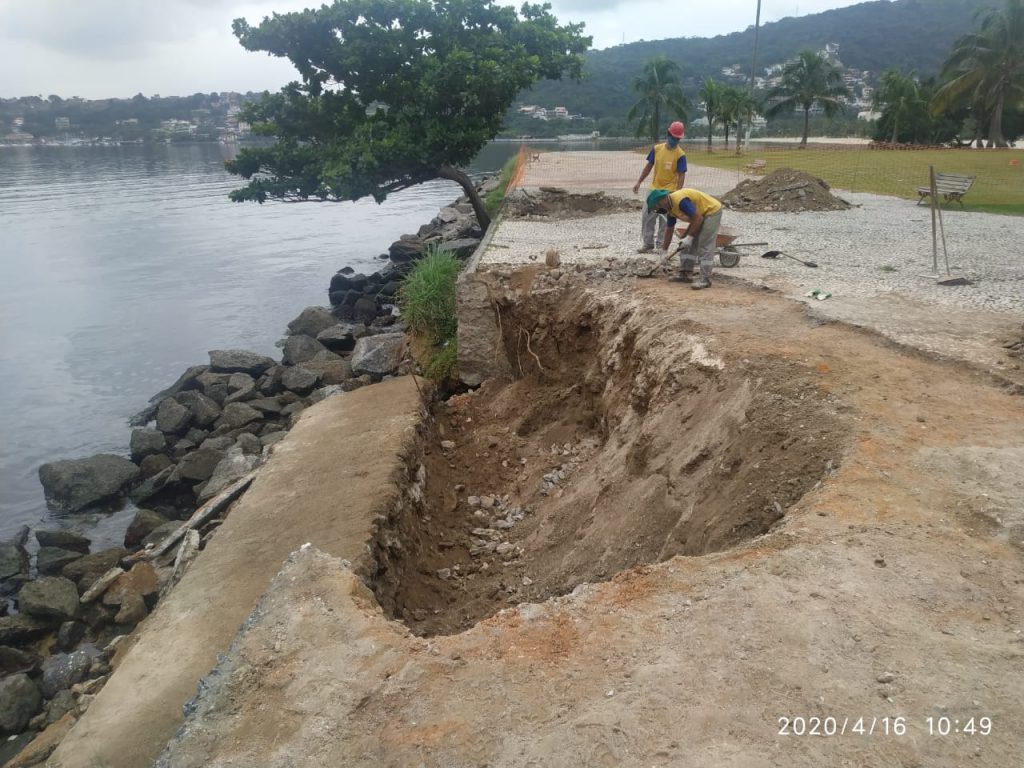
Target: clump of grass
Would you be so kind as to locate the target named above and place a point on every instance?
(494, 198)
(427, 296)
(444, 364)
(888, 268)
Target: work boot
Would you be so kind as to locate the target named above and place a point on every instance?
(645, 249)
(682, 277)
(701, 284)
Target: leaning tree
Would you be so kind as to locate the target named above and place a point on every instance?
(393, 93)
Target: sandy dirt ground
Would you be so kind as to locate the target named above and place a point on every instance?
(888, 594)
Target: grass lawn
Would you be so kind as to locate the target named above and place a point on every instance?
(998, 188)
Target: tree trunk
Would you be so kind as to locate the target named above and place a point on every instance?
(727, 137)
(656, 124)
(454, 174)
(711, 130)
(807, 127)
(895, 128)
(995, 126)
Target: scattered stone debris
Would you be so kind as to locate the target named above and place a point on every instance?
(557, 203)
(785, 190)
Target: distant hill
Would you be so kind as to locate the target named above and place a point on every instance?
(874, 36)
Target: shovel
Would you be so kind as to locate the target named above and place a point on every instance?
(661, 262)
(776, 254)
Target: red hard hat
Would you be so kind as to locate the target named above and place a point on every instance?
(677, 129)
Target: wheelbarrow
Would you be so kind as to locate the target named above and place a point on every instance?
(726, 247)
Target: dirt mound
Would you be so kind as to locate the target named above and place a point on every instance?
(557, 203)
(785, 190)
(622, 441)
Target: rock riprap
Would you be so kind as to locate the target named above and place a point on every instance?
(74, 484)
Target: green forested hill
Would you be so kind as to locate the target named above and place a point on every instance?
(874, 36)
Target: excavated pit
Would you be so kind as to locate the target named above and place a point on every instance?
(617, 443)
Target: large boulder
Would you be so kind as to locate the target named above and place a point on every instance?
(341, 337)
(300, 348)
(270, 382)
(51, 560)
(205, 409)
(74, 484)
(347, 282)
(378, 355)
(406, 249)
(64, 540)
(145, 442)
(144, 523)
(14, 660)
(236, 415)
(13, 559)
(311, 321)
(198, 465)
(300, 380)
(214, 385)
(85, 570)
(49, 598)
(332, 371)
(232, 467)
(241, 386)
(186, 381)
(365, 309)
(239, 361)
(20, 700)
(63, 670)
(172, 418)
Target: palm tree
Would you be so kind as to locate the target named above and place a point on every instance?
(808, 79)
(728, 108)
(660, 93)
(897, 97)
(710, 96)
(739, 110)
(986, 69)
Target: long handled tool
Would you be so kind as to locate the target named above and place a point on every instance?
(662, 262)
(776, 254)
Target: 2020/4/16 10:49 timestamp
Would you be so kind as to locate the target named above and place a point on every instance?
(946, 726)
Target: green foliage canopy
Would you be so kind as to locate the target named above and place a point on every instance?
(661, 92)
(393, 93)
(807, 80)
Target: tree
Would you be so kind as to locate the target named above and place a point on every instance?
(807, 80)
(897, 97)
(393, 93)
(986, 69)
(710, 95)
(660, 91)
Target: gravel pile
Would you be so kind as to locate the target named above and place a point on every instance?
(784, 190)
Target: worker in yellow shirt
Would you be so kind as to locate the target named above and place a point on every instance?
(668, 161)
(704, 214)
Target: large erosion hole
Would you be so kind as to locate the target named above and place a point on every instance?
(619, 443)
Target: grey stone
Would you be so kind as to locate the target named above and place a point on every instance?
(186, 381)
(239, 361)
(74, 484)
(20, 699)
(145, 522)
(270, 383)
(85, 570)
(332, 371)
(198, 465)
(249, 444)
(196, 435)
(378, 355)
(266, 405)
(273, 438)
(241, 386)
(63, 670)
(70, 634)
(233, 467)
(152, 485)
(160, 533)
(205, 410)
(153, 464)
(181, 448)
(340, 337)
(402, 251)
(64, 540)
(237, 415)
(13, 560)
(14, 660)
(357, 382)
(22, 629)
(214, 385)
(62, 703)
(347, 282)
(293, 408)
(50, 597)
(462, 247)
(51, 560)
(365, 309)
(311, 321)
(145, 441)
(481, 347)
(299, 349)
(300, 380)
(172, 418)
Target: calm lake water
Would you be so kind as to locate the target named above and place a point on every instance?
(122, 266)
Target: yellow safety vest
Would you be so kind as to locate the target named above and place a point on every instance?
(706, 205)
(665, 162)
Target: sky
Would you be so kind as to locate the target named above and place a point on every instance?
(117, 48)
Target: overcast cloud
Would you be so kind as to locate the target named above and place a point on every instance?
(103, 48)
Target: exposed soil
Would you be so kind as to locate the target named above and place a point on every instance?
(557, 203)
(784, 190)
(616, 446)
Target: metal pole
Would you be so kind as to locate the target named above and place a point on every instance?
(753, 66)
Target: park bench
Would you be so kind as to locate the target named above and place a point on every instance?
(950, 186)
(755, 166)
